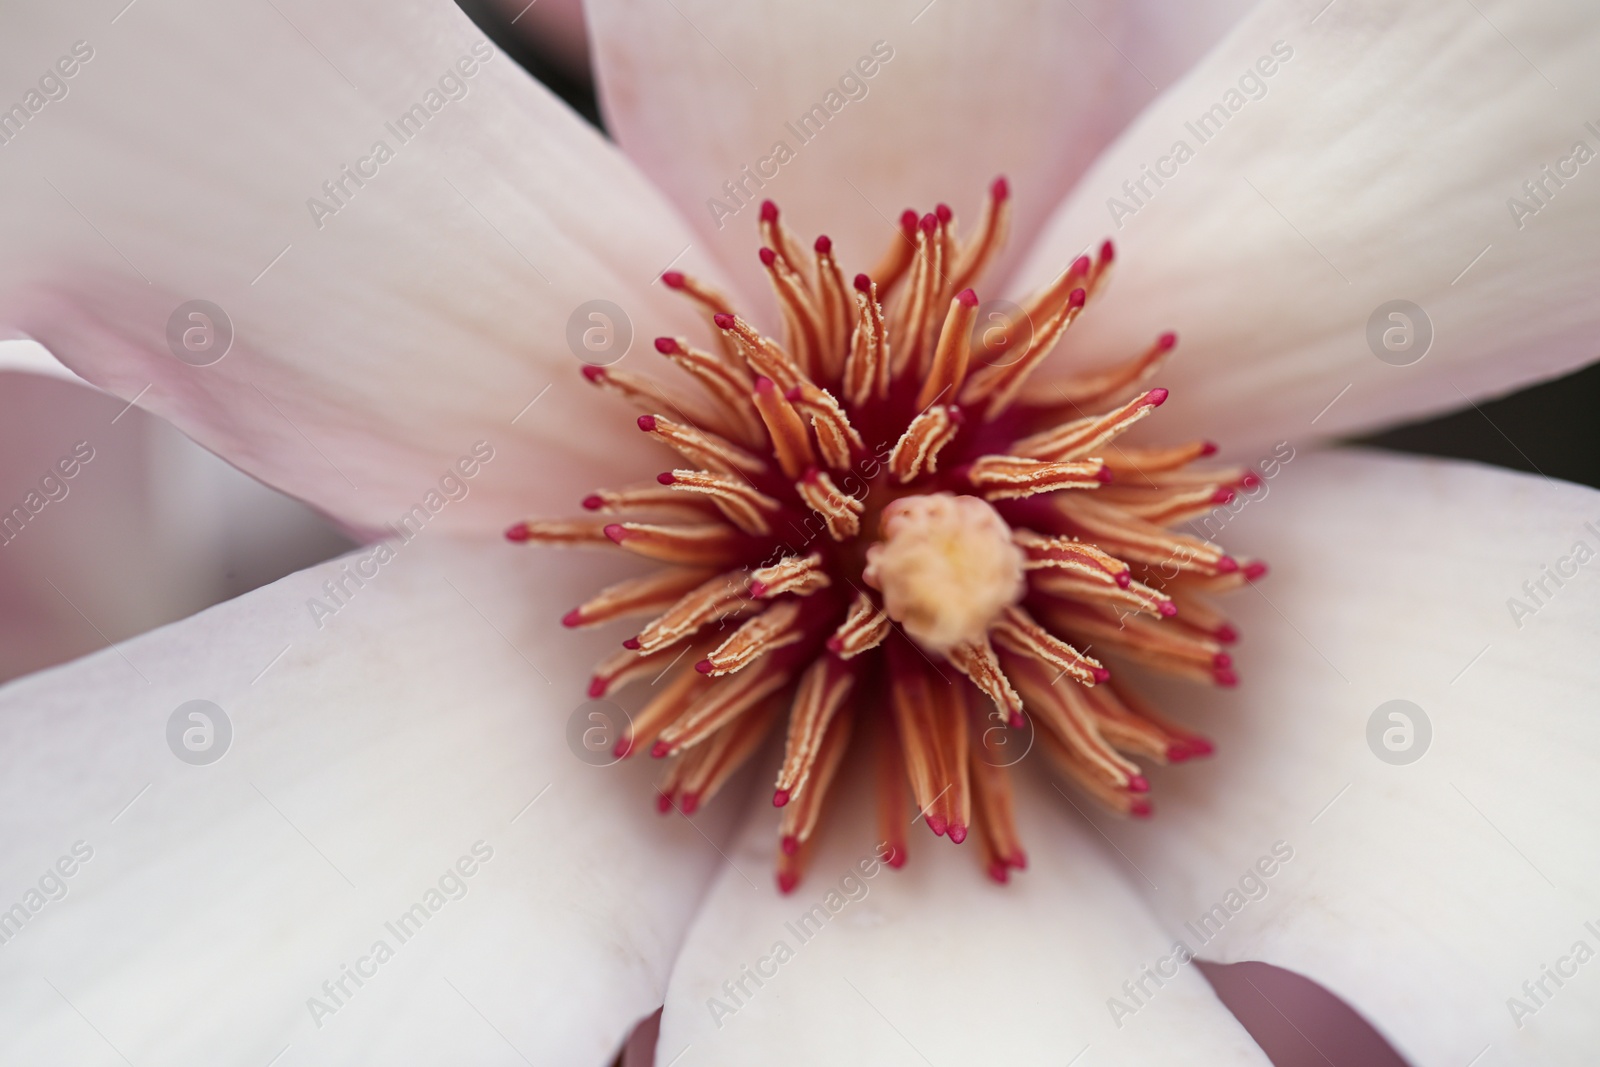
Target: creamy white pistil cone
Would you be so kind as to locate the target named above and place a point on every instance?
(946, 566)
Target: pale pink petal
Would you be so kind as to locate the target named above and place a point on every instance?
(1424, 893)
(374, 346)
(935, 960)
(112, 522)
(697, 91)
(425, 721)
(1381, 163)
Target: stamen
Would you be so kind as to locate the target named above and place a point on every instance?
(710, 299)
(626, 665)
(1104, 388)
(1018, 632)
(1133, 596)
(1123, 801)
(1146, 461)
(931, 717)
(863, 629)
(996, 386)
(712, 600)
(990, 238)
(727, 383)
(1169, 649)
(1133, 733)
(790, 441)
(701, 448)
(837, 312)
(665, 707)
(800, 819)
(643, 394)
(890, 788)
(1039, 308)
(976, 660)
(911, 322)
(866, 371)
(1121, 700)
(901, 252)
(1197, 612)
(1010, 478)
(704, 769)
(765, 357)
(775, 235)
(1062, 707)
(1077, 439)
(801, 319)
(1102, 267)
(822, 693)
(652, 496)
(917, 451)
(798, 575)
(1079, 558)
(1166, 506)
(702, 543)
(911, 700)
(774, 628)
(743, 505)
(949, 370)
(837, 439)
(716, 706)
(563, 533)
(1134, 539)
(840, 513)
(635, 596)
(994, 808)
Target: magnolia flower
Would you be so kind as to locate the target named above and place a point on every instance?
(374, 844)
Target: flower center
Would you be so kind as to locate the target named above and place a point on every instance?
(947, 568)
(886, 535)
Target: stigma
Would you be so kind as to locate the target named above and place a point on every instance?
(946, 566)
(886, 542)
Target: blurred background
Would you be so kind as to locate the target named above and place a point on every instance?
(153, 528)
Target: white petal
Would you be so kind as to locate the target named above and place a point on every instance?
(695, 91)
(429, 713)
(112, 522)
(935, 963)
(374, 349)
(1423, 894)
(1378, 166)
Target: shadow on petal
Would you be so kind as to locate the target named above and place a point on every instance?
(640, 1051)
(1297, 1022)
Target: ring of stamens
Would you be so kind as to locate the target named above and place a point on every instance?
(885, 530)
